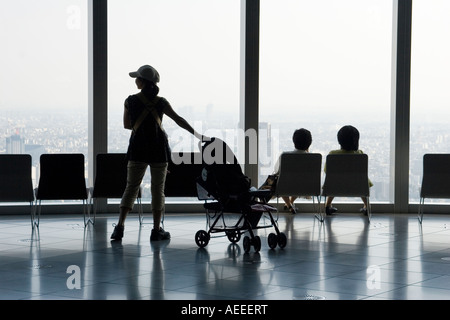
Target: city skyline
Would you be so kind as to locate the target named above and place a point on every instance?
(69, 134)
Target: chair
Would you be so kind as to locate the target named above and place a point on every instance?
(16, 182)
(300, 175)
(181, 177)
(62, 177)
(111, 180)
(347, 176)
(435, 179)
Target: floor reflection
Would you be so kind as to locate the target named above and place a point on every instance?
(345, 258)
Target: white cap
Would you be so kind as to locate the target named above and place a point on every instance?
(146, 72)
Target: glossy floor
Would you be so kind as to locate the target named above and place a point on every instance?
(345, 258)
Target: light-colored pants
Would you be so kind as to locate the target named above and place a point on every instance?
(135, 173)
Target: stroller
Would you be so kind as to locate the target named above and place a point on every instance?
(228, 192)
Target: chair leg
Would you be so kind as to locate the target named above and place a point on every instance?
(34, 222)
(140, 211)
(369, 210)
(87, 214)
(94, 211)
(420, 213)
(319, 214)
(323, 212)
(37, 212)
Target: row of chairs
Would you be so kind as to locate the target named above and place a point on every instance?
(347, 176)
(62, 178)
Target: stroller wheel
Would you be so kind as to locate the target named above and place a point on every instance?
(272, 240)
(282, 240)
(257, 243)
(202, 238)
(246, 244)
(234, 236)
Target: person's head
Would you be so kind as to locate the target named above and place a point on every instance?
(146, 79)
(302, 139)
(348, 138)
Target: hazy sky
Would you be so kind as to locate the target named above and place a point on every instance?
(43, 61)
(315, 55)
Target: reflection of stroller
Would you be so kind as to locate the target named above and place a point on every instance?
(223, 182)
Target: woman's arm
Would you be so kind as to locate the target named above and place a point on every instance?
(126, 119)
(180, 121)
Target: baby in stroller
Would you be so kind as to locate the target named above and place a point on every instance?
(225, 189)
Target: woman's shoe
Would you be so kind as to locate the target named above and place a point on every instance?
(160, 234)
(117, 233)
(292, 210)
(330, 210)
(363, 211)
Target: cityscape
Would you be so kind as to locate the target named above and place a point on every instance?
(37, 133)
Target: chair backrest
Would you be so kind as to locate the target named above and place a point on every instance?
(62, 177)
(436, 176)
(299, 175)
(16, 183)
(346, 175)
(181, 180)
(110, 175)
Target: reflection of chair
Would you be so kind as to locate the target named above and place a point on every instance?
(300, 175)
(111, 180)
(16, 184)
(62, 178)
(435, 179)
(347, 176)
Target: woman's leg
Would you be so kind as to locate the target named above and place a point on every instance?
(329, 209)
(329, 201)
(364, 199)
(364, 209)
(289, 201)
(135, 174)
(158, 179)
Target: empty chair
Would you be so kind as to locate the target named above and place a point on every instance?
(435, 179)
(16, 184)
(62, 178)
(110, 180)
(181, 179)
(300, 175)
(182, 174)
(347, 176)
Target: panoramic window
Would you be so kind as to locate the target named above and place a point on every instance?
(43, 99)
(195, 46)
(326, 64)
(430, 80)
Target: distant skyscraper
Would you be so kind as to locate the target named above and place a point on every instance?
(15, 144)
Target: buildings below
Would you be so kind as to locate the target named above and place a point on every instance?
(67, 132)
